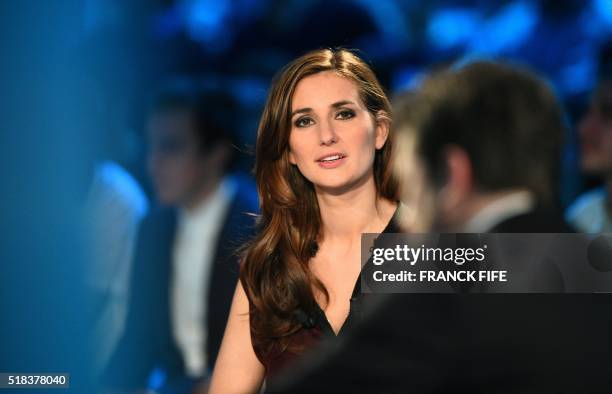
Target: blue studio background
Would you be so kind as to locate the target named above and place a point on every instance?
(76, 74)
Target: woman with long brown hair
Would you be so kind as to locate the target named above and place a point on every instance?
(323, 171)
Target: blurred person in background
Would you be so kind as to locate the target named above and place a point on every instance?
(592, 212)
(114, 205)
(487, 136)
(185, 267)
(324, 176)
(489, 139)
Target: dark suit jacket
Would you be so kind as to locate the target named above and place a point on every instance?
(147, 341)
(477, 343)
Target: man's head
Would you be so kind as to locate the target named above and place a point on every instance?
(484, 130)
(189, 132)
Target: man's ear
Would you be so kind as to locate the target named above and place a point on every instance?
(382, 129)
(459, 178)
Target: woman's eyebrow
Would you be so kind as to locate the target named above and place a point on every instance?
(341, 103)
(300, 111)
(337, 104)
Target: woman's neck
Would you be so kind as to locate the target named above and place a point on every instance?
(349, 214)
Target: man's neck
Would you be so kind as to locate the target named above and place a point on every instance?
(201, 194)
(493, 208)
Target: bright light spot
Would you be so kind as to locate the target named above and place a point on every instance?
(508, 29)
(452, 27)
(604, 9)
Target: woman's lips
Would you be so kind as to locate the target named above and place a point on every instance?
(332, 161)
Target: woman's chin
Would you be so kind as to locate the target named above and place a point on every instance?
(333, 189)
(338, 187)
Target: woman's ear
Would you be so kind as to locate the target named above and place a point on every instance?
(382, 129)
(291, 157)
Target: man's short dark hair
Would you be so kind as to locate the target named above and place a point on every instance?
(507, 120)
(215, 110)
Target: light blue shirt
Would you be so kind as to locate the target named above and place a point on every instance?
(588, 213)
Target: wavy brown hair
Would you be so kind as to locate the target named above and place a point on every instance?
(274, 272)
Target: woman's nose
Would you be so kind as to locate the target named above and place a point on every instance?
(327, 134)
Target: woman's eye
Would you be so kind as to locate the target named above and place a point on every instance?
(345, 114)
(303, 122)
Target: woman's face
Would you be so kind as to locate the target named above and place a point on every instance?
(333, 136)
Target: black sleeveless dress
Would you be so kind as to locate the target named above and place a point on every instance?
(315, 326)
